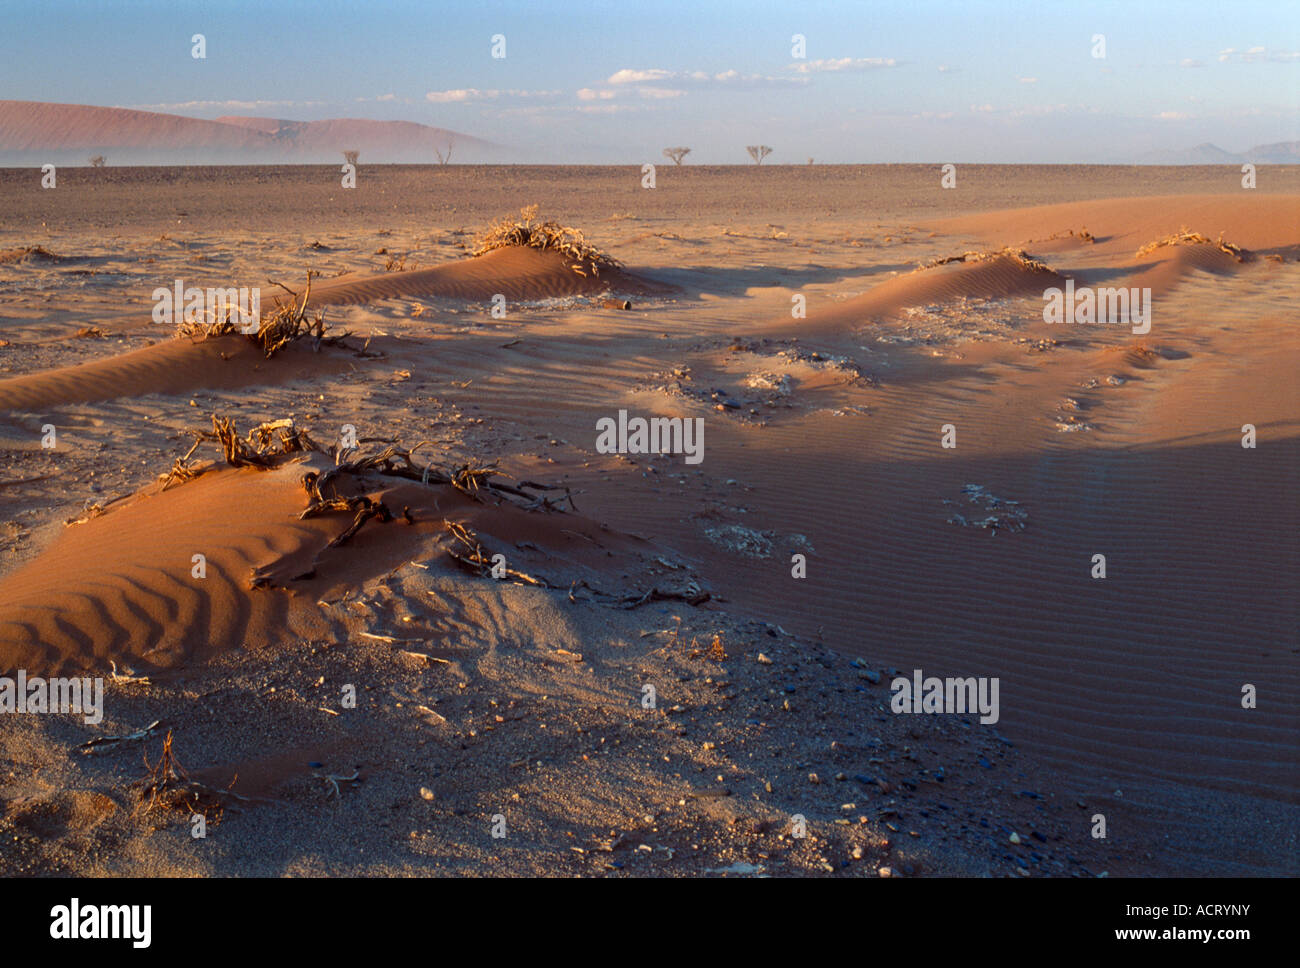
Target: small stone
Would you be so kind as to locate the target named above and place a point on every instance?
(763, 659)
(1015, 838)
(814, 778)
(426, 793)
(886, 872)
(857, 853)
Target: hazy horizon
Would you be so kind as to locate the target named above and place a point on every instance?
(989, 83)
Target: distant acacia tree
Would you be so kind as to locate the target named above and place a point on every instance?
(758, 153)
(97, 161)
(351, 156)
(676, 154)
(445, 158)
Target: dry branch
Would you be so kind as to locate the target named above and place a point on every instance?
(275, 330)
(166, 784)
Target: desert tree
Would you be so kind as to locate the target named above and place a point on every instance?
(97, 161)
(444, 158)
(758, 153)
(351, 156)
(676, 154)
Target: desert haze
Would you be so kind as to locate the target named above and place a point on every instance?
(642, 663)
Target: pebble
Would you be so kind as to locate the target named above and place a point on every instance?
(1015, 838)
(763, 659)
(886, 872)
(426, 793)
(814, 778)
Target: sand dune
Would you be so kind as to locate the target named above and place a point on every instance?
(121, 587)
(386, 141)
(823, 438)
(183, 365)
(519, 274)
(32, 129)
(1261, 223)
(996, 277)
(174, 366)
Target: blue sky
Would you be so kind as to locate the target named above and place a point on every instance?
(590, 80)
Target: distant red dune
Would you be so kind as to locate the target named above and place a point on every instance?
(123, 135)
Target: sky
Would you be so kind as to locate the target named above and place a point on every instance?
(600, 81)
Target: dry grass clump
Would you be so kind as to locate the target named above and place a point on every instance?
(1186, 237)
(275, 330)
(1019, 256)
(28, 253)
(523, 230)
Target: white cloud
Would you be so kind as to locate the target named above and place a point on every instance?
(227, 105)
(453, 97)
(1173, 116)
(841, 64)
(627, 76)
(468, 94)
(1027, 80)
(658, 93)
(1258, 55)
(700, 79)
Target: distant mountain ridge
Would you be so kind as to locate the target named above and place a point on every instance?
(1280, 153)
(39, 132)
